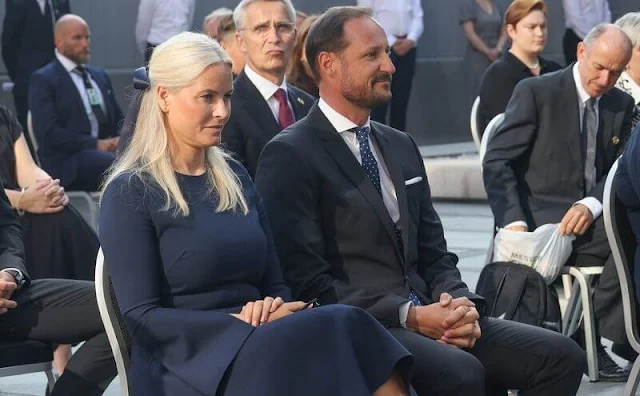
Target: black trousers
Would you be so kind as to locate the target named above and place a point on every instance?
(400, 92)
(570, 42)
(61, 311)
(509, 355)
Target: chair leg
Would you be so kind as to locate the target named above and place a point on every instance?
(589, 327)
(51, 380)
(632, 383)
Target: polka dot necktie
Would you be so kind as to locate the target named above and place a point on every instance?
(370, 167)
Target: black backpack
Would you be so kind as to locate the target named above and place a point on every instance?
(518, 292)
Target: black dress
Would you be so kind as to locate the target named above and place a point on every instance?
(58, 245)
(500, 80)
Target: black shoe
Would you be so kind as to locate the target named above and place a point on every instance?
(608, 370)
(624, 351)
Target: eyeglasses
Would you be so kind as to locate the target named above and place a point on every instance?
(283, 29)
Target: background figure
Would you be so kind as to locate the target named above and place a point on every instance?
(207, 308)
(483, 27)
(160, 19)
(211, 23)
(299, 73)
(27, 45)
(227, 39)
(75, 114)
(300, 17)
(629, 81)
(403, 25)
(526, 24)
(580, 17)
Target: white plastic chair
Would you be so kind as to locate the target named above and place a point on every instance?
(473, 120)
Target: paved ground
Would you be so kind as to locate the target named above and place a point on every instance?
(467, 228)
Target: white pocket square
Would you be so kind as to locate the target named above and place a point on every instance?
(412, 181)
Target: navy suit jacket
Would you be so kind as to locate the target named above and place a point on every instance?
(60, 120)
(252, 123)
(27, 39)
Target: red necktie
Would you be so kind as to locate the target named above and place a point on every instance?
(285, 116)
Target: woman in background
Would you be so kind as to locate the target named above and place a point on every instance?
(526, 24)
(299, 73)
(629, 81)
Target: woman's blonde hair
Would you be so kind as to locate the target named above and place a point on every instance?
(174, 65)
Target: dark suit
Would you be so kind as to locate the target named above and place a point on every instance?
(67, 150)
(252, 123)
(336, 242)
(27, 44)
(56, 311)
(534, 171)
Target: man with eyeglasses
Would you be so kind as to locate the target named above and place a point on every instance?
(263, 103)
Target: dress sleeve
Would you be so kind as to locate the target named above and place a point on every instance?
(468, 11)
(9, 121)
(183, 341)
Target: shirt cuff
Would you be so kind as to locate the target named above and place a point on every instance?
(391, 39)
(593, 204)
(517, 223)
(404, 313)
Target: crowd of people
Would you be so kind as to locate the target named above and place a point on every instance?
(263, 209)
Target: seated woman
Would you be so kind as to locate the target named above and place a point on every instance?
(298, 72)
(58, 243)
(526, 25)
(628, 174)
(629, 81)
(194, 266)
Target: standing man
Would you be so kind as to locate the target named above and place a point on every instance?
(75, 114)
(27, 44)
(263, 103)
(403, 25)
(548, 162)
(352, 218)
(580, 16)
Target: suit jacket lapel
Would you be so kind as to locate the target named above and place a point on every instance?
(297, 103)
(347, 162)
(572, 128)
(255, 105)
(397, 178)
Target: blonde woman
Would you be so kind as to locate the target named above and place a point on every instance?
(194, 267)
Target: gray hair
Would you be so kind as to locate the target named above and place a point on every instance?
(630, 24)
(600, 30)
(240, 12)
(217, 13)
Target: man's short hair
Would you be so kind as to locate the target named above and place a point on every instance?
(240, 12)
(226, 28)
(598, 31)
(327, 33)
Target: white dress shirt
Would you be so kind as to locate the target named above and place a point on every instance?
(344, 127)
(267, 89)
(69, 66)
(397, 17)
(159, 20)
(582, 15)
(626, 84)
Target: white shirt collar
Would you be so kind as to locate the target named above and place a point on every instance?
(337, 120)
(582, 93)
(265, 87)
(626, 84)
(67, 63)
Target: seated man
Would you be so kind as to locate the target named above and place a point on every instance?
(57, 311)
(74, 112)
(548, 162)
(352, 218)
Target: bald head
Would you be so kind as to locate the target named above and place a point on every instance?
(603, 56)
(72, 38)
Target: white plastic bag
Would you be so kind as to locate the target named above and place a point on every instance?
(543, 249)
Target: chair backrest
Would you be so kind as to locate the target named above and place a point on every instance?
(114, 325)
(32, 137)
(622, 243)
(488, 133)
(473, 120)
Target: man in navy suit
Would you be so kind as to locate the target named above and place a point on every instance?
(75, 115)
(263, 103)
(27, 43)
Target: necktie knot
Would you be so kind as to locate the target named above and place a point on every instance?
(362, 134)
(280, 95)
(591, 103)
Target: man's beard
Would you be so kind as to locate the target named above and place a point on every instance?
(364, 96)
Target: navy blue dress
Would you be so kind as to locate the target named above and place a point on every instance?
(178, 278)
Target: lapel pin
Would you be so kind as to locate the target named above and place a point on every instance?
(301, 101)
(615, 140)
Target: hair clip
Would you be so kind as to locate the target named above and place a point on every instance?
(141, 79)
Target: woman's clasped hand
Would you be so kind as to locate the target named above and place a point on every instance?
(264, 311)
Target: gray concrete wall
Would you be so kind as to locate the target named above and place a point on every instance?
(435, 113)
